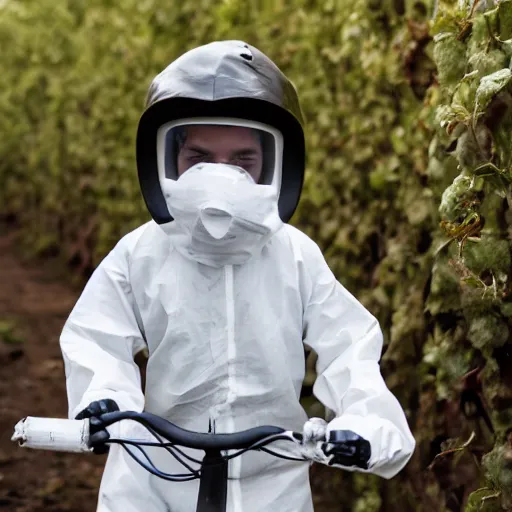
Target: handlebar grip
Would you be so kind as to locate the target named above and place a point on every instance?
(53, 434)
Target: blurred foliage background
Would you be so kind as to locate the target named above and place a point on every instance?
(408, 190)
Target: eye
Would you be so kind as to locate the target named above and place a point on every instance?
(197, 156)
(246, 159)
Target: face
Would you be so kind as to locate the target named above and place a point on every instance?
(234, 145)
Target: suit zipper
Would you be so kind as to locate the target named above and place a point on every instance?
(235, 464)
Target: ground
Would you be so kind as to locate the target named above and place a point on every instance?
(35, 300)
(34, 304)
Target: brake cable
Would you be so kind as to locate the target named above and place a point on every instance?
(168, 446)
(151, 468)
(171, 448)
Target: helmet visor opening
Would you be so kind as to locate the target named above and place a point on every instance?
(255, 147)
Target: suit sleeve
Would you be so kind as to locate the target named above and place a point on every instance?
(348, 342)
(100, 338)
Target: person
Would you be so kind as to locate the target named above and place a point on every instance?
(224, 294)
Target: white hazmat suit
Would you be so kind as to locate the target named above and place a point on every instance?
(225, 339)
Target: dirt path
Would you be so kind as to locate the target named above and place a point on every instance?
(33, 308)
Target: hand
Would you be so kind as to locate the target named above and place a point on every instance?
(346, 448)
(314, 430)
(313, 437)
(97, 432)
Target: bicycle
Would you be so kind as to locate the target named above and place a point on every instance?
(346, 448)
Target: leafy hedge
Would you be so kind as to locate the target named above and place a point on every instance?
(470, 292)
(407, 190)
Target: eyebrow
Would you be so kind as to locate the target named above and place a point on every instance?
(238, 152)
(197, 149)
(246, 152)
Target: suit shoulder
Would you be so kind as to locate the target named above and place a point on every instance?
(301, 243)
(131, 240)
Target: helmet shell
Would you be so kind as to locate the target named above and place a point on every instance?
(222, 79)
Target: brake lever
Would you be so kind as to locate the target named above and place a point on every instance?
(347, 449)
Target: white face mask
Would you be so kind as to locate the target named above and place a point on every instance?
(221, 217)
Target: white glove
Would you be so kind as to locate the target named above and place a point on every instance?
(313, 435)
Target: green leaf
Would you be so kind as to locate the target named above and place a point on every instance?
(490, 86)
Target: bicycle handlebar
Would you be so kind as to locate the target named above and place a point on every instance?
(73, 435)
(346, 447)
(196, 440)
